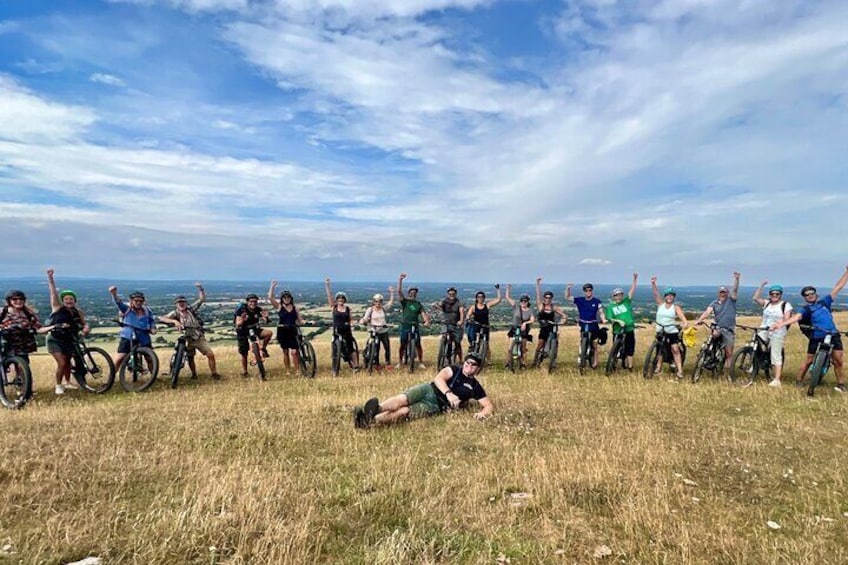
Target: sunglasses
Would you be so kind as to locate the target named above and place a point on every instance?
(806, 294)
(775, 293)
(472, 363)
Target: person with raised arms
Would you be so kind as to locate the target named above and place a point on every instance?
(589, 310)
(412, 313)
(289, 319)
(135, 317)
(342, 322)
(186, 317)
(375, 318)
(66, 320)
(547, 314)
(775, 309)
(620, 313)
(479, 313)
(668, 313)
(522, 319)
(723, 309)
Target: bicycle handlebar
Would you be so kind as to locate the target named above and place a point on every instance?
(137, 328)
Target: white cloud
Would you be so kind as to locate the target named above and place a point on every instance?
(594, 261)
(104, 78)
(26, 117)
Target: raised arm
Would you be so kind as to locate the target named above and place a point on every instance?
(656, 291)
(508, 297)
(391, 301)
(734, 292)
(55, 304)
(201, 294)
(758, 294)
(839, 284)
(272, 298)
(400, 284)
(568, 295)
(122, 308)
(632, 290)
(538, 293)
(494, 302)
(328, 287)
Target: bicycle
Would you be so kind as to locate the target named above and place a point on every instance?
(140, 367)
(178, 358)
(821, 359)
(551, 347)
(711, 357)
(15, 377)
(661, 346)
(586, 352)
(307, 361)
(749, 360)
(255, 349)
(515, 359)
(371, 352)
(448, 348)
(480, 344)
(411, 349)
(616, 355)
(92, 367)
(339, 350)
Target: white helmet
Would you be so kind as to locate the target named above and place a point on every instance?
(377, 297)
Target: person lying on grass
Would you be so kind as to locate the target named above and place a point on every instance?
(452, 388)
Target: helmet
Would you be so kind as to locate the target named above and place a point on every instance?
(474, 357)
(451, 289)
(548, 294)
(669, 290)
(479, 294)
(180, 298)
(617, 291)
(776, 288)
(285, 293)
(67, 292)
(137, 294)
(588, 286)
(524, 297)
(15, 294)
(341, 295)
(251, 296)
(807, 289)
(377, 297)
(410, 289)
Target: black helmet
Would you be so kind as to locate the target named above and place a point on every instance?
(524, 297)
(137, 294)
(588, 286)
(548, 294)
(474, 357)
(180, 298)
(807, 289)
(251, 296)
(285, 293)
(15, 294)
(451, 289)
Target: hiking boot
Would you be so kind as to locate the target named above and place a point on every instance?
(371, 409)
(216, 376)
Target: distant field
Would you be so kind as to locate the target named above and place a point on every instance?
(569, 467)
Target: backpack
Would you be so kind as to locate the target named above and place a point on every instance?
(805, 324)
(27, 313)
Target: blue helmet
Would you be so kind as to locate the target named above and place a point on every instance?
(669, 290)
(776, 288)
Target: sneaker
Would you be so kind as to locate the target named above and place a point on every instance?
(244, 374)
(59, 389)
(194, 375)
(422, 366)
(680, 376)
(70, 386)
(215, 376)
(359, 418)
(774, 383)
(398, 366)
(371, 409)
(839, 388)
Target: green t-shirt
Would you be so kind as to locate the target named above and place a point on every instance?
(622, 311)
(411, 311)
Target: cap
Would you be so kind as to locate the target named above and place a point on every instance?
(179, 299)
(617, 291)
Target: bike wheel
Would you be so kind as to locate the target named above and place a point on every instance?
(257, 357)
(16, 383)
(615, 351)
(96, 374)
(139, 369)
(742, 366)
(370, 356)
(337, 357)
(411, 352)
(483, 350)
(177, 362)
(817, 370)
(553, 346)
(538, 358)
(307, 360)
(584, 354)
(651, 358)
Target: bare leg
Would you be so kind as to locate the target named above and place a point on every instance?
(213, 367)
(837, 357)
(675, 353)
(802, 372)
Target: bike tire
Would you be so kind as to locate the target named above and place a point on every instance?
(651, 357)
(337, 357)
(742, 370)
(411, 352)
(15, 392)
(139, 369)
(370, 357)
(97, 374)
(584, 354)
(553, 347)
(818, 369)
(257, 358)
(442, 357)
(307, 360)
(613, 356)
(538, 358)
(483, 351)
(177, 362)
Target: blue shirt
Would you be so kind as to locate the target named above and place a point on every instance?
(820, 316)
(587, 310)
(145, 321)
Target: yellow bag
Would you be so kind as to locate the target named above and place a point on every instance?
(689, 336)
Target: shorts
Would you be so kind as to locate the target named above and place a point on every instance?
(629, 343)
(525, 334)
(835, 344)
(728, 337)
(59, 345)
(423, 401)
(545, 332)
(243, 345)
(472, 330)
(124, 345)
(776, 347)
(457, 333)
(198, 345)
(287, 338)
(673, 339)
(404, 335)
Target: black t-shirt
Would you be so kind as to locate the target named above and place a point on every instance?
(253, 317)
(464, 387)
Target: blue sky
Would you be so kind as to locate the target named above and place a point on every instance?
(453, 139)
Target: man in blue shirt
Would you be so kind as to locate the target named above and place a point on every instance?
(589, 309)
(137, 318)
(821, 319)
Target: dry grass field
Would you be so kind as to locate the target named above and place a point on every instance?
(569, 469)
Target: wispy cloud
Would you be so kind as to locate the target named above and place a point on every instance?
(104, 78)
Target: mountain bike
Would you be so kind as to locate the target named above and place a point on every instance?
(660, 352)
(586, 352)
(616, 356)
(411, 349)
(179, 357)
(255, 348)
(754, 357)
(515, 359)
(448, 348)
(307, 361)
(551, 348)
(480, 343)
(140, 367)
(339, 351)
(371, 351)
(711, 357)
(92, 367)
(821, 359)
(15, 377)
